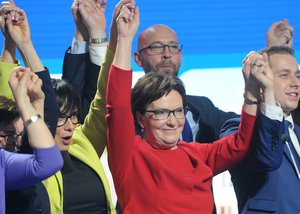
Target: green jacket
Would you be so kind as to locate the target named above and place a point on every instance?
(88, 141)
(5, 71)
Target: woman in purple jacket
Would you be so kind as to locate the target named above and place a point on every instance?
(18, 170)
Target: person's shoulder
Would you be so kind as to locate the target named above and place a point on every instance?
(199, 104)
(297, 128)
(197, 99)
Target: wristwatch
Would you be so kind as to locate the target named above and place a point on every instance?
(252, 102)
(98, 40)
(32, 119)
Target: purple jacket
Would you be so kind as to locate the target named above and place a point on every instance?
(22, 170)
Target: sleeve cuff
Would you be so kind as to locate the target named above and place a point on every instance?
(79, 47)
(97, 54)
(273, 112)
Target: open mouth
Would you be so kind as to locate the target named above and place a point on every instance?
(66, 140)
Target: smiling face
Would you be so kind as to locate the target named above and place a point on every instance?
(286, 81)
(163, 134)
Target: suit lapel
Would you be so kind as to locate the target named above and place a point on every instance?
(297, 132)
(286, 150)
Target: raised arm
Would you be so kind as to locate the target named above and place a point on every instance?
(83, 60)
(120, 142)
(94, 126)
(258, 77)
(26, 88)
(268, 132)
(19, 31)
(127, 24)
(262, 157)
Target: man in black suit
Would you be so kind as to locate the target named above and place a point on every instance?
(274, 164)
(160, 51)
(83, 59)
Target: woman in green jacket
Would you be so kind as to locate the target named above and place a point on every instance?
(81, 186)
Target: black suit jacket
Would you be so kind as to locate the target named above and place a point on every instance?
(211, 119)
(266, 180)
(83, 75)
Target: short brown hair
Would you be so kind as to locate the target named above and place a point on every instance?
(153, 86)
(284, 50)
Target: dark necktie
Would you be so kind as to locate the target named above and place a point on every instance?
(187, 134)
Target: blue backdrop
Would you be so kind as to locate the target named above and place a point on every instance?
(214, 33)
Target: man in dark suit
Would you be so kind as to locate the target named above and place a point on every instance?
(268, 181)
(160, 51)
(83, 59)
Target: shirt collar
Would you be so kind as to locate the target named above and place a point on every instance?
(290, 120)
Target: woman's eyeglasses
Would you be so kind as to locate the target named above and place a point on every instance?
(10, 140)
(163, 114)
(62, 120)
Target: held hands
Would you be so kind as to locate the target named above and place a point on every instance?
(113, 35)
(261, 71)
(280, 33)
(89, 18)
(93, 17)
(81, 31)
(9, 46)
(18, 27)
(128, 20)
(258, 77)
(26, 88)
(7, 8)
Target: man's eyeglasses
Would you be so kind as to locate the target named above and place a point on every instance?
(62, 120)
(163, 114)
(9, 140)
(159, 48)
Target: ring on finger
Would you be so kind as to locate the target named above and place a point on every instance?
(258, 65)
